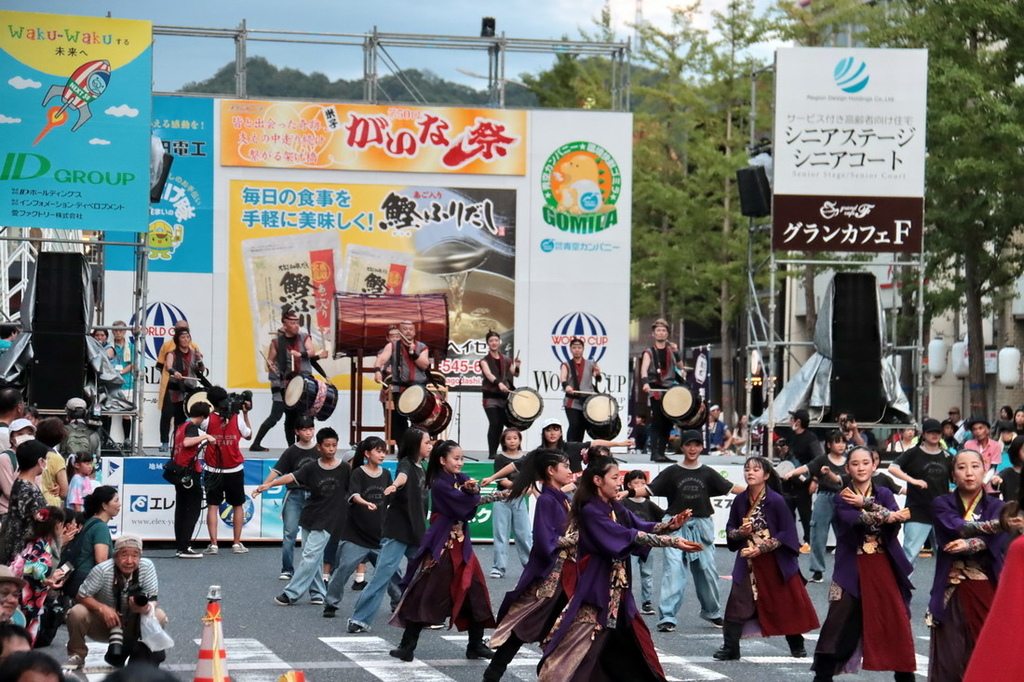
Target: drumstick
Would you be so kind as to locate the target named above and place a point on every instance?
(270, 368)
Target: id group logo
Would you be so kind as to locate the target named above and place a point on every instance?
(851, 76)
(582, 325)
(581, 183)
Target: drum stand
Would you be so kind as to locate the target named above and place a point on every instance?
(357, 426)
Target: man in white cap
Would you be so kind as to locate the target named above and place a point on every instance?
(10, 597)
(81, 437)
(115, 594)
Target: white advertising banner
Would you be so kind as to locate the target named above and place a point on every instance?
(849, 149)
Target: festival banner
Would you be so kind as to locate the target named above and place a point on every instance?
(356, 137)
(74, 122)
(181, 224)
(294, 244)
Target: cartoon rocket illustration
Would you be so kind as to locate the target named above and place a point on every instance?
(88, 82)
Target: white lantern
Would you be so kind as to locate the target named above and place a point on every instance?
(961, 363)
(755, 362)
(937, 357)
(1009, 367)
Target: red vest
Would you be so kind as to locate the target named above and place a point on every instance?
(224, 454)
(182, 455)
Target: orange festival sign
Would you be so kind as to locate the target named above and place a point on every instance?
(373, 138)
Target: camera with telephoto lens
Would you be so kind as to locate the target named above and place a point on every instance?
(234, 402)
(138, 597)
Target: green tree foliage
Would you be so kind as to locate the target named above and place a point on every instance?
(975, 169)
(263, 79)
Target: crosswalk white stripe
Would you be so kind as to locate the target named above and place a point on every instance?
(246, 653)
(371, 653)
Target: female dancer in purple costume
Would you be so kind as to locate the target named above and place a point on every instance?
(444, 579)
(600, 636)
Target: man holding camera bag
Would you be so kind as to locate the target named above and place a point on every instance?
(225, 477)
(111, 602)
(183, 471)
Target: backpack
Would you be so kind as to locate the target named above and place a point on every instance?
(79, 439)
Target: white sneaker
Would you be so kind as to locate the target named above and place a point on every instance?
(74, 662)
(285, 576)
(239, 548)
(212, 549)
(188, 554)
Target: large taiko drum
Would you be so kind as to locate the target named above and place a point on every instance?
(425, 407)
(681, 404)
(601, 414)
(363, 321)
(309, 394)
(523, 407)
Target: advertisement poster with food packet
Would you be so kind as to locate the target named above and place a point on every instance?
(296, 243)
(296, 273)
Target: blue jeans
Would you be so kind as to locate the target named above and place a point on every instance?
(350, 555)
(821, 520)
(291, 509)
(309, 574)
(516, 513)
(915, 534)
(645, 569)
(386, 575)
(701, 565)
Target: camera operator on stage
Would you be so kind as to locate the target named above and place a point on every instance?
(291, 353)
(409, 362)
(82, 436)
(111, 601)
(225, 477)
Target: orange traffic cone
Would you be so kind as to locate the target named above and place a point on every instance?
(212, 665)
(293, 676)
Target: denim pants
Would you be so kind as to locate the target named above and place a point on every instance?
(350, 555)
(915, 534)
(309, 574)
(386, 576)
(701, 565)
(502, 515)
(645, 569)
(291, 509)
(821, 521)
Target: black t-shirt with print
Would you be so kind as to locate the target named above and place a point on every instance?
(933, 470)
(690, 489)
(328, 495)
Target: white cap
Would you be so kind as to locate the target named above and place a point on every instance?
(19, 424)
(552, 421)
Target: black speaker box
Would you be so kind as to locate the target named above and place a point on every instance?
(58, 330)
(60, 293)
(856, 348)
(755, 192)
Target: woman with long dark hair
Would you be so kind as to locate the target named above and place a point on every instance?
(498, 370)
(404, 526)
(549, 577)
(871, 577)
(768, 596)
(93, 545)
(970, 547)
(444, 579)
(601, 634)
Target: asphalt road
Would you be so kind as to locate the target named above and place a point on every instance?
(264, 640)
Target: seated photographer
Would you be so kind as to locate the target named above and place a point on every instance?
(110, 602)
(225, 475)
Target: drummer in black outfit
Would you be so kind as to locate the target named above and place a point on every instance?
(577, 375)
(409, 361)
(659, 365)
(291, 353)
(498, 370)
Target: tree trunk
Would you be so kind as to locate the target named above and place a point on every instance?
(975, 337)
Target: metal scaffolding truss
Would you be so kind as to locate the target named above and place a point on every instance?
(376, 45)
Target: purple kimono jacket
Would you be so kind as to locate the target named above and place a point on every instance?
(603, 539)
(850, 534)
(781, 526)
(549, 522)
(949, 522)
(449, 505)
